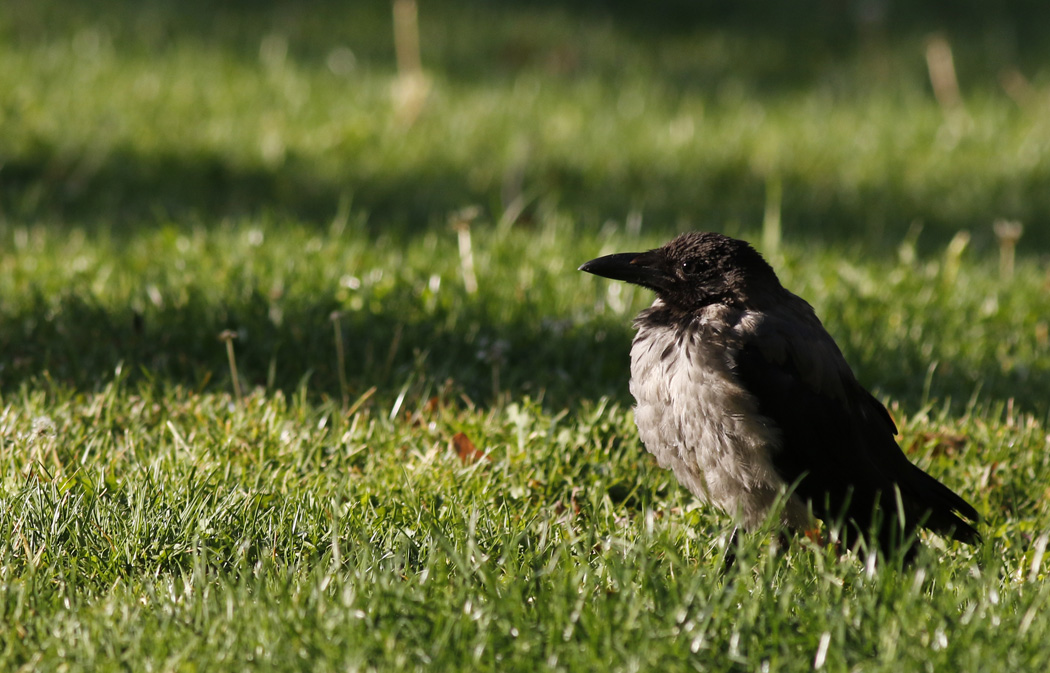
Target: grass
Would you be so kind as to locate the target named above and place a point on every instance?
(418, 475)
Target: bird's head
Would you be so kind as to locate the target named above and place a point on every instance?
(694, 270)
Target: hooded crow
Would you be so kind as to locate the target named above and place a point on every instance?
(745, 397)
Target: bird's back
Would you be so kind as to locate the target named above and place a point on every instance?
(745, 404)
(838, 443)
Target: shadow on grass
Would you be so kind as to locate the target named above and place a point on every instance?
(70, 342)
(808, 31)
(124, 190)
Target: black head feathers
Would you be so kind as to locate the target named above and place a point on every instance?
(694, 270)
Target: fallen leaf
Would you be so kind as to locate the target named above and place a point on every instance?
(465, 449)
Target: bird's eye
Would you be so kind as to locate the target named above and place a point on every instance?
(690, 266)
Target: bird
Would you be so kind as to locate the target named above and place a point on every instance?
(741, 392)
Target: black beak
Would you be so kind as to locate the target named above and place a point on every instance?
(640, 268)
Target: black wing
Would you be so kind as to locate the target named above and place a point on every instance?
(838, 441)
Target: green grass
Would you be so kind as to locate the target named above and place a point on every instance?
(170, 171)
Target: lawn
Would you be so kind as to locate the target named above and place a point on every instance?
(297, 371)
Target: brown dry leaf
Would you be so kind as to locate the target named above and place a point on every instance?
(465, 449)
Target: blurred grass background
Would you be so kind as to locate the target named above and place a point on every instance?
(683, 111)
(141, 139)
